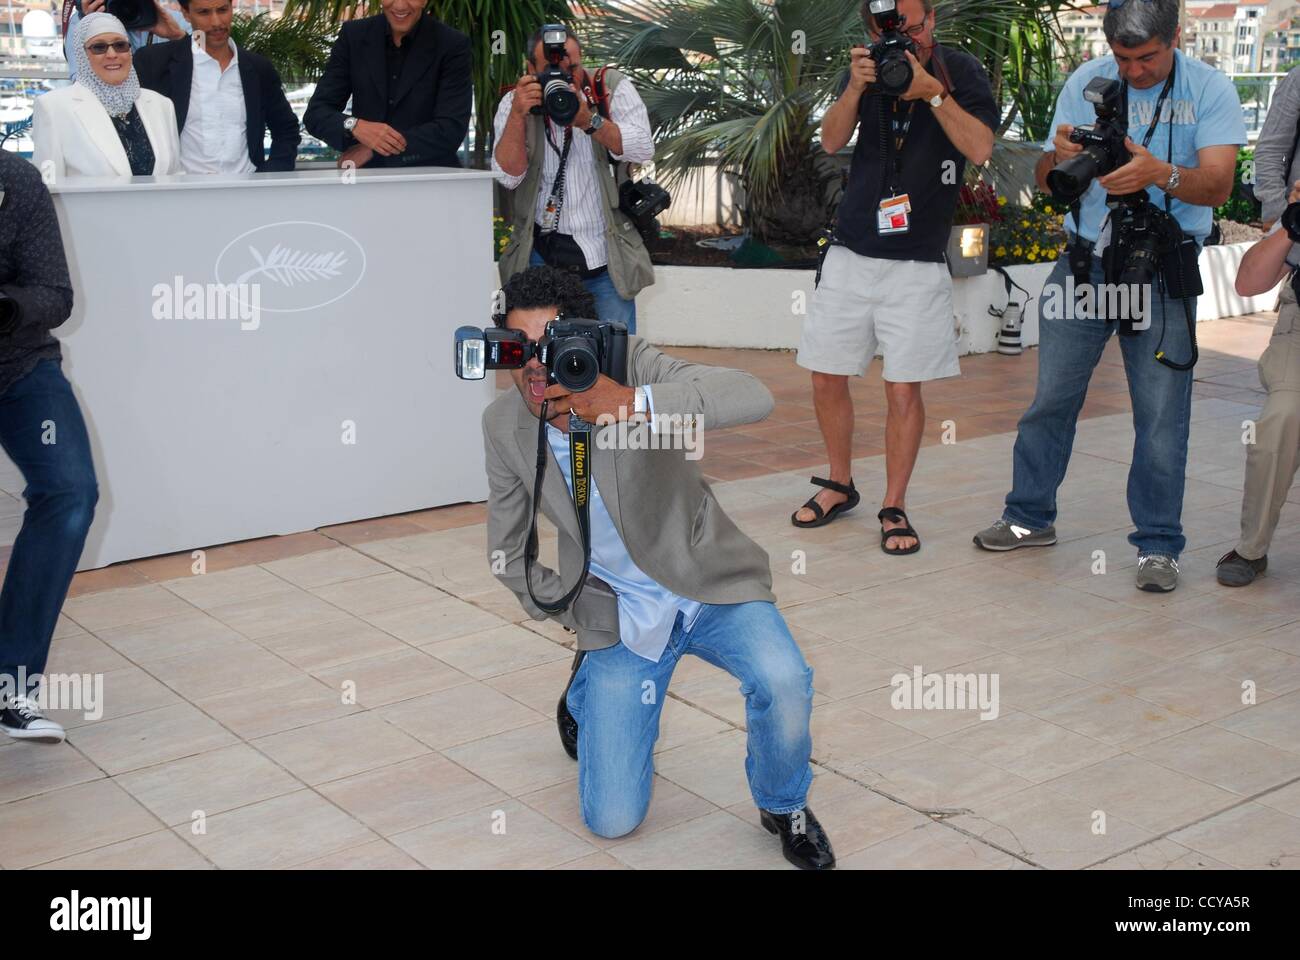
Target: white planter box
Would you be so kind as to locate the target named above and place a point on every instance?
(764, 309)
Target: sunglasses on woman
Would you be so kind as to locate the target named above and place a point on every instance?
(117, 46)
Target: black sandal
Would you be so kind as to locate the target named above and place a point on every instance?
(895, 515)
(822, 517)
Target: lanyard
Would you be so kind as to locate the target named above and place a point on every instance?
(1160, 104)
(557, 187)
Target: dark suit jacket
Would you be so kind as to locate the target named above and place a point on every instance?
(168, 68)
(430, 106)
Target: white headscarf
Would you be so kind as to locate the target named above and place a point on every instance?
(117, 100)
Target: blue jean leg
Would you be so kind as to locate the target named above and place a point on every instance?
(1162, 413)
(609, 305)
(752, 643)
(42, 431)
(617, 698)
(1068, 352)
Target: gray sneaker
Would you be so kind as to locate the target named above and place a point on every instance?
(1157, 573)
(1234, 570)
(1005, 535)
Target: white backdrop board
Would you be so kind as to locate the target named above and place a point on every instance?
(336, 401)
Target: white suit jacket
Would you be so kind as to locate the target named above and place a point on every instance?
(73, 132)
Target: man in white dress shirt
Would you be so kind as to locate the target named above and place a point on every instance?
(225, 98)
(531, 153)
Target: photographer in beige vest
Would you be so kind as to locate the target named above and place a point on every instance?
(566, 189)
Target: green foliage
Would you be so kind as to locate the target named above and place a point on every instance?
(744, 83)
(297, 46)
(1241, 206)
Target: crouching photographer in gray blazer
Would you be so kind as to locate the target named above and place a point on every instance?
(670, 574)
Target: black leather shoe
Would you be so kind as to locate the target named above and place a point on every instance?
(803, 841)
(568, 726)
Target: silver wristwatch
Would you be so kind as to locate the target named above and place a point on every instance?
(640, 403)
(350, 124)
(1174, 178)
(597, 121)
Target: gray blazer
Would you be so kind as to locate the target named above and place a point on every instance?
(672, 525)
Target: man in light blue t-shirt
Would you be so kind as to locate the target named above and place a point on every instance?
(1200, 111)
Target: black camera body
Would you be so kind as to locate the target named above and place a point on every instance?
(575, 352)
(1148, 245)
(893, 72)
(1290, 221)
(1103, 143)
(643, 201)
(134, 14)
(559, 102)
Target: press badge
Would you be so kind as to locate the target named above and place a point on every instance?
(551, 216)
(892, 215)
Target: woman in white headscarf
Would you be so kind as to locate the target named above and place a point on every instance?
(104, 125)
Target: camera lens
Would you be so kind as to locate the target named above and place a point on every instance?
(1070, 179)
(575, 366)
(895, 74)
(133, 14)
(561, 102)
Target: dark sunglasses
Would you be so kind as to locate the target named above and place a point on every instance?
(117, 46)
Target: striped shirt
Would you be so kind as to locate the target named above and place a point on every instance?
(583, 215)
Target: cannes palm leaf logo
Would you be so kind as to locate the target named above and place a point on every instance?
(290, 267)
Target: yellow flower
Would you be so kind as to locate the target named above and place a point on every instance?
(1016, 251)
(1000, 251)
(1031, 256)
(1024, 223)
(1002, 201)
(1047, 209)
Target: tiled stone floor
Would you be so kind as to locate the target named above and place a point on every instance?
(1122, 739)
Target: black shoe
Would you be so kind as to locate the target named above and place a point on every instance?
(20, 719)
(568, 726)
(803, 841)
(1234, 570)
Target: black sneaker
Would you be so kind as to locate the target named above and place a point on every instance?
(1234, 570)
(21, 719)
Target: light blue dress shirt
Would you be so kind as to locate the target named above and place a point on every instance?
(646, 610)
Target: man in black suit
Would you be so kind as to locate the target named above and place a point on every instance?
(409, 79)
(222, 114)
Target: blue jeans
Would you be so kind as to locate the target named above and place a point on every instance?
(617, 697)
(1068, 351)
(609, 305)
(61, 494)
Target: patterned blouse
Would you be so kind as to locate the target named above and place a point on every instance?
(135, 140)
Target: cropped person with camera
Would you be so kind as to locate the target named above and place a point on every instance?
(42, 431)
(1158, 132)
(163, 23)
(558, 133)
(670, 573)
(921, 111)
(1272, 460)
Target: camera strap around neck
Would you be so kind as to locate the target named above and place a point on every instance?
(557, 186)
(580, 467)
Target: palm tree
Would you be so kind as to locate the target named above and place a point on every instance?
(743, 84)
(498, 32)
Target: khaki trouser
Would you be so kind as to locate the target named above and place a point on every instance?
(1272, 460)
